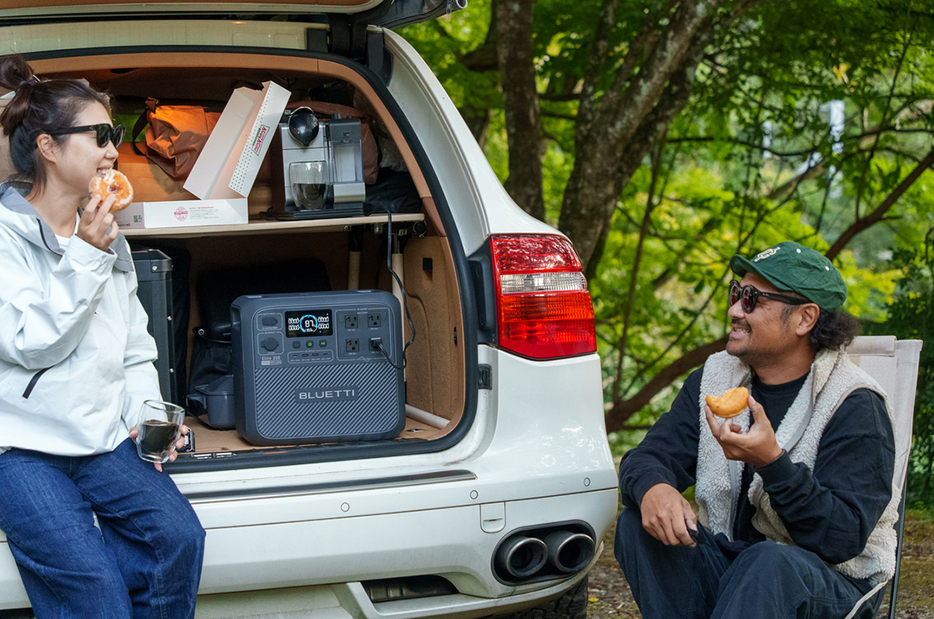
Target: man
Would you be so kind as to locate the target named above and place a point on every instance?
(796, 508)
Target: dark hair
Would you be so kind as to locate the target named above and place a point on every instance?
(39, 106)
(833, 329)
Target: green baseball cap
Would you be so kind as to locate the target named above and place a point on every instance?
(790, 266)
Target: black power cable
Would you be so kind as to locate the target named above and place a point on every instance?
(405, 298)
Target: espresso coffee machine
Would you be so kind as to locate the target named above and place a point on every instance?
(318, 167)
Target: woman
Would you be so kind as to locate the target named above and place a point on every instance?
(76, 363)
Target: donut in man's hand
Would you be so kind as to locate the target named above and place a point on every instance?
(112, 183)
(730, 404)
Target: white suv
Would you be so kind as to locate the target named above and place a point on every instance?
(496, 494)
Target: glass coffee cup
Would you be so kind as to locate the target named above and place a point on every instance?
(311, 185)
(159, 427)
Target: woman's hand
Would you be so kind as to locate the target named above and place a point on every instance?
(97, 226)
(179, 443)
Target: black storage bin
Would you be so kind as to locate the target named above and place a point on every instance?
(154, 273)
(216, 290)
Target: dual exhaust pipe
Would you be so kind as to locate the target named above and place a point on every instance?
(562, 551)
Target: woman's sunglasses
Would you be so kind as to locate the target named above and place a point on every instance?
(105, 133)
(748, 296)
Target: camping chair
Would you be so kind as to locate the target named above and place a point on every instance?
(894, 364)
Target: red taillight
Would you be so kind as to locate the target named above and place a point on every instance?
(543, 306)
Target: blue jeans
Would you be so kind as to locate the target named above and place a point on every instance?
(764, 581)
(144, 562)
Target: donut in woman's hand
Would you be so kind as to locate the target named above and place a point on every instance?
(730, 404)
(112, 183)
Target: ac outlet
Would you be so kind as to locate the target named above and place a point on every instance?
(374, 321)
(350, 321)
(352, 345)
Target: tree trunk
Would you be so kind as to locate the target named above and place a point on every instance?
(614, 133)
(520, 102)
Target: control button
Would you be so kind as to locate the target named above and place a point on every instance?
(296, 344)
(270, 343)
(323, 343)
(310, 344)
(270, 321)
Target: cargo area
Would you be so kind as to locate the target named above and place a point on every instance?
(213, 263)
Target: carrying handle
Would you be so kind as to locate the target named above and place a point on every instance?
(141, 123)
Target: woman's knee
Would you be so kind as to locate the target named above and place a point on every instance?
(186, 534)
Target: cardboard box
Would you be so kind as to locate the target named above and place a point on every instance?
(226, 168)
(238, 144)
(182, 213)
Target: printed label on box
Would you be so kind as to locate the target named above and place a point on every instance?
(183, 213)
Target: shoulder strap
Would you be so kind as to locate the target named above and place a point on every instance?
(141, 123)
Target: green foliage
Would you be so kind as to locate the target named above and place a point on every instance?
(911, 316)
(716, 191)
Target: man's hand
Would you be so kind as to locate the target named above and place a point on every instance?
(667, 516)
(757, 447)
(179, 443)
(97, 226)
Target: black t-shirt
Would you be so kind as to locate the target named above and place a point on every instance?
(775, 400)
(830, 511)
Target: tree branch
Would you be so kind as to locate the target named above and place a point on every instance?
(874, 217)
(619, 413)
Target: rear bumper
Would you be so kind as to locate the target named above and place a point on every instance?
(445, 542)
(319, 564)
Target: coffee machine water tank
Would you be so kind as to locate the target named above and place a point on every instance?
(346, 146)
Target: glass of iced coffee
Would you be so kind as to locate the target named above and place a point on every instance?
(159, 427)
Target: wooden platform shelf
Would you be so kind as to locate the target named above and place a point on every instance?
(267, 226)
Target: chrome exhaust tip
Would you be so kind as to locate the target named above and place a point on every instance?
(569, 552)
(522, 556)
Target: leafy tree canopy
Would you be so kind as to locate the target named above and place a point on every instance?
(665, 136)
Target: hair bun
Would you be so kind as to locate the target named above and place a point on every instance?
(30, 81)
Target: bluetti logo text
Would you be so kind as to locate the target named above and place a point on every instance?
(327, 394)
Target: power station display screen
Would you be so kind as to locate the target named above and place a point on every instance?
(308, 323)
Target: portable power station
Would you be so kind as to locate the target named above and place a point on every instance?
(318, 367)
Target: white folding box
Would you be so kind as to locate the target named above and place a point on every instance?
(226, 168)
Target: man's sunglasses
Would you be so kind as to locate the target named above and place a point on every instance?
(105, 133)
(748, 296)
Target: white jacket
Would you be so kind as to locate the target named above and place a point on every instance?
(76, 359)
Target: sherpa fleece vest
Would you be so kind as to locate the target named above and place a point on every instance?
(831, 379)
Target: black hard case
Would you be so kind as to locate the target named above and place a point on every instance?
(154, 273)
